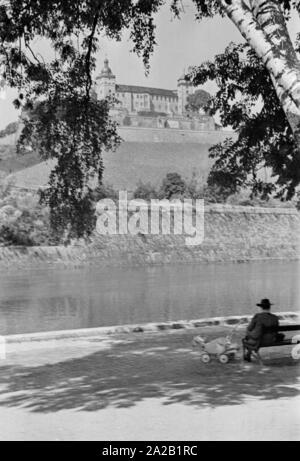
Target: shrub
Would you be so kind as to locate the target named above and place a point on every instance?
(195, 188)
(11, 128)
(23, 221)
(145, 191)
(28, 231)
(12, 235)
(103, 191)
(172, 186)
(246, 199)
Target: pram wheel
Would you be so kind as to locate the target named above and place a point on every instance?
(296, 352)
(232, 355)
(223, 358)
(205, 358)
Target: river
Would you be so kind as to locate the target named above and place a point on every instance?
(62, 298)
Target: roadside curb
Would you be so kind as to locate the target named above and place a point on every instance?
(231, 321)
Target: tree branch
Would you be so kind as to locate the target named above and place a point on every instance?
(31, 50)
(90, 48)
(283, 71)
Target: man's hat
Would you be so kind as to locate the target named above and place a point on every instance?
(265, 303)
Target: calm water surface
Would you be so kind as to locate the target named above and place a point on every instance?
(57, 299)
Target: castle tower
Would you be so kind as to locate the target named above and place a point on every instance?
(106, 82)
(184, 89)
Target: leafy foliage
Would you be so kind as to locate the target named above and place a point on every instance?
(23, 221)
(62, 120)
(198, 100)
(247, 101)
(103, 191)
(211, 192)
(52, 129)
(172, 186)
(145, 191)
(11, 128)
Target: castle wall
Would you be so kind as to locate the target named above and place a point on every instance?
(135, 102)
(164, 104)
(142, 134)
(203, 123)
(125, 101)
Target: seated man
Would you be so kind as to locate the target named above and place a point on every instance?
(262, 330)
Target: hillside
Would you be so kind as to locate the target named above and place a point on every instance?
(11, 162)
(132, 162)
(146, 154)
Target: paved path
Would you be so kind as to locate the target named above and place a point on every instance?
(147, 386)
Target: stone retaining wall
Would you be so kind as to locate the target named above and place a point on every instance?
(231, 234)
(235, 321)
(139, 134)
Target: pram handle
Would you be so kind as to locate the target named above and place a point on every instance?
(229, 337)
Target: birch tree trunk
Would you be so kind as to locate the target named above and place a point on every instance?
(262, 24)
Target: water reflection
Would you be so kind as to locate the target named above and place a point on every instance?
(55, 299)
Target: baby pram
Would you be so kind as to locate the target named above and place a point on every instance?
(222, 348)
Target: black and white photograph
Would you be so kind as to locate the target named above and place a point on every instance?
(149, 223)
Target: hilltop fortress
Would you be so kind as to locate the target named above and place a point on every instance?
(147, 107)
(158, 134)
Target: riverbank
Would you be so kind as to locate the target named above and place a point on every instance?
(236, 322)
(231, 233)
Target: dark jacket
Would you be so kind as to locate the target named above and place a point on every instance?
(263, 328)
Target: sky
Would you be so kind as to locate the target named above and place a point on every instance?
(181, 43)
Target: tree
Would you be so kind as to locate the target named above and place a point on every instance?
(172, 185)
(247, 101)
(62, 119)
(198, 100)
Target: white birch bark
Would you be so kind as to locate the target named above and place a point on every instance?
(270, 18)
(262, 24)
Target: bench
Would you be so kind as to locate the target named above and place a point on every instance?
(294, 340)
